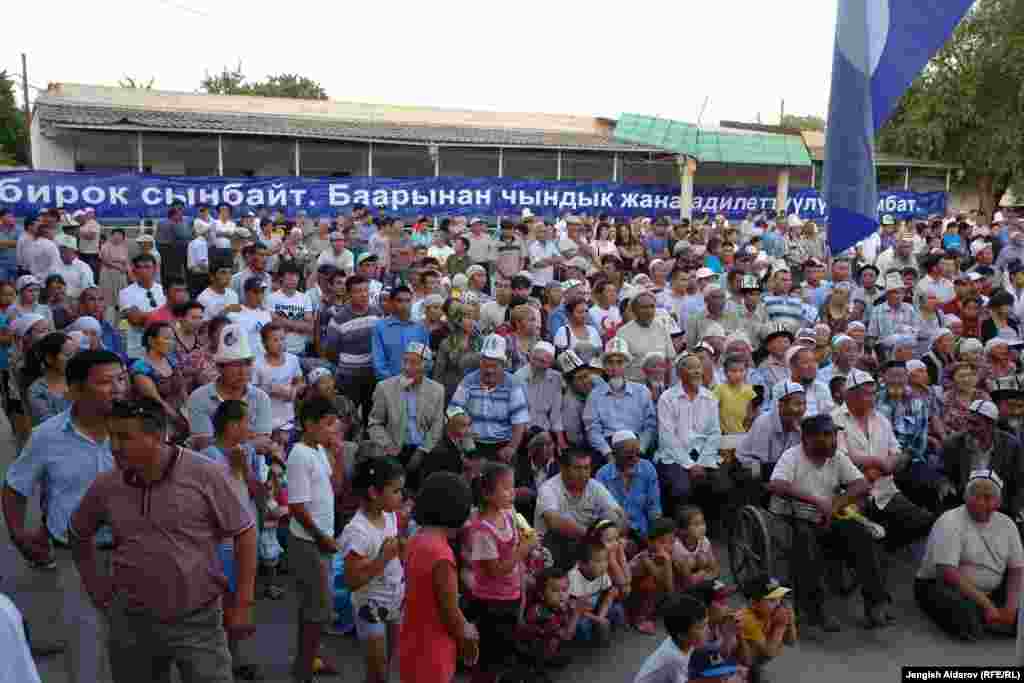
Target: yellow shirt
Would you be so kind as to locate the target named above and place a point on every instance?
(752, 629)
(732, 406)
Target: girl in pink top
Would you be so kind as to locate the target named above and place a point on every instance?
(494, 551)
(434, 629)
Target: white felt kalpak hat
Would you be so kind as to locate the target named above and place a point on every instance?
(234, 345)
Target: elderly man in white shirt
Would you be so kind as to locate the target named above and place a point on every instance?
(803, 368)
(867, 438)
(689, 434)
(77, 273)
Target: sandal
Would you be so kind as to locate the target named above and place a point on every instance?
(324, 667)
(646, 626)
(247, 672)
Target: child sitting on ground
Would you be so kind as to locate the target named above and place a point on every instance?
(608, 532)
(766, 625)
(593, 595)
(652, 576)
(686, 620)
(548, 620)
(693, 557)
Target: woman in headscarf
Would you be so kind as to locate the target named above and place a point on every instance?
(459, 353)
(433, 319)
(90, 327)
(940, 356)
(999, 360)
(835, 312)
(959, 396)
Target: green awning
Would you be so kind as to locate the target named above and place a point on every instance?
(727, 147)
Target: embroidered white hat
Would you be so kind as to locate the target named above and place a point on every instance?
(858, 378)
(622, 436)
(786, 389)
(494, 347)
(234, 345)
(893, 281)
(617, 346)
(546, 347)
(419, 349)
(986, 408)
(569, 362)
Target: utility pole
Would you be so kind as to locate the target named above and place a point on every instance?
(782, 112)
(28, 112)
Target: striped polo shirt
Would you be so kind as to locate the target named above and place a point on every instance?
(350, 336)
(494, 411)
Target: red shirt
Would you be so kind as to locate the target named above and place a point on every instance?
(161, 315)
(426, 650)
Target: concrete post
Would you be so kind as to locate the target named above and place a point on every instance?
(687, 170)
(782, 189)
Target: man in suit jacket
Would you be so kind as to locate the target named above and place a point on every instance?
(407, 417)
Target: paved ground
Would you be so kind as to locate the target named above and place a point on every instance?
(854, 655)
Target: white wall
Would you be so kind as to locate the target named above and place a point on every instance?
(51, 153)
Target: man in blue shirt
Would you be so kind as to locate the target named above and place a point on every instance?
(67, 453)
(392, 335)
(633, 482)
(618, 404)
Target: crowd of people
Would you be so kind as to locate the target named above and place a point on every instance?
(532, 434)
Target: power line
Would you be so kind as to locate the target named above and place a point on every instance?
(185, 8)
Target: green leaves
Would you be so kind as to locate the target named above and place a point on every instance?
(282, 85)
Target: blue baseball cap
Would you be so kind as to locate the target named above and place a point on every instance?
(708, 662)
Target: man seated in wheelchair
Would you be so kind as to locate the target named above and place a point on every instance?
(804, 487)
(867, 437)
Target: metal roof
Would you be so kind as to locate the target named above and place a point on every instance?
(815, 141)
(72, 115)
(714, 144)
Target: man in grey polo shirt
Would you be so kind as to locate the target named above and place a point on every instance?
(67, 452)
(234, 360)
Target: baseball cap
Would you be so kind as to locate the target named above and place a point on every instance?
(765, 588)
(818, 424)
(494, 347)
(708, 662)
(704, 272)
(787, 389)
(622, 436)
(27, 281)
(255, 282)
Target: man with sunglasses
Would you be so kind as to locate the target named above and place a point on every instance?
(67, 452)
(138, 300)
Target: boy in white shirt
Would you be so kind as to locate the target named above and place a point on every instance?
(253, 316)
(293, 311)
(312, 480)
(219, 298)
(593, 597)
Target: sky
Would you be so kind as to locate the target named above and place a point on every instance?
(692, 60)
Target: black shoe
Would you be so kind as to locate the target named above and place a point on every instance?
(877, 615)
(48, 649)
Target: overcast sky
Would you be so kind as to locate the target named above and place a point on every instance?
(558, 56)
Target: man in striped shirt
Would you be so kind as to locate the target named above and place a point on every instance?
(496, 402)
(349, 340)
(782, 306)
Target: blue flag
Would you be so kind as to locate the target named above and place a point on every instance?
(881, 46)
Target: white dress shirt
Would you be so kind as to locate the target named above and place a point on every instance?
(685, 425)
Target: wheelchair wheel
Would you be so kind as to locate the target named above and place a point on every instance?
(750, 545)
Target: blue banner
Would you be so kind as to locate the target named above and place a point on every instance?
(133, 196)
(880, 48)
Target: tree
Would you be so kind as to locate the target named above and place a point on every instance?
(967, 106)
(13, 131)
(282, 85)
(131, 83)
(809, 122)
